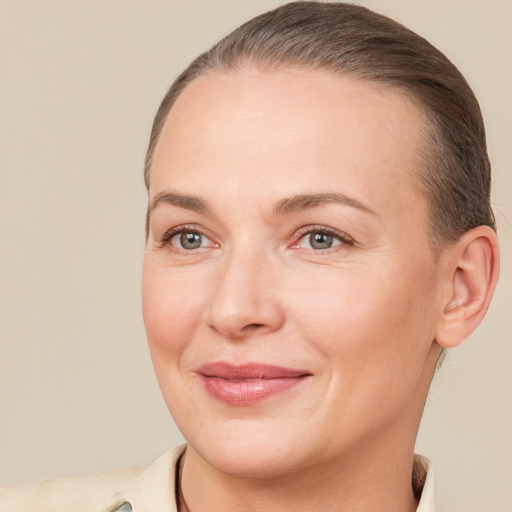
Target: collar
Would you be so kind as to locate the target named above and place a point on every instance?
(423, 477)
(152, 489)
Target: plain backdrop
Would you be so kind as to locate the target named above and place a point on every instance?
(79, 84)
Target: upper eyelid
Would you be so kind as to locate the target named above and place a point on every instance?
(323, 229)
(192, 228)
(170, 233)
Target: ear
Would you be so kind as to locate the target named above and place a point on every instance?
(471, 267)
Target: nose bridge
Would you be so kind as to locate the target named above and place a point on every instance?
(244, 300)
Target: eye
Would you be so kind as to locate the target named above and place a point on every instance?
(321, 239)
(190, 240)
(186, 239)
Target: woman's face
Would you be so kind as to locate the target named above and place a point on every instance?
(290, 293)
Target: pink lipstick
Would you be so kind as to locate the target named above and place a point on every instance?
(248, 383)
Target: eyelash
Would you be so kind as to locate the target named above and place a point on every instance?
(168, 235)
(345, 240)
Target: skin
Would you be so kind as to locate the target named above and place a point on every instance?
(361, 317)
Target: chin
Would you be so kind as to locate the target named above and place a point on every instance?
(260, 464)
(249, 451)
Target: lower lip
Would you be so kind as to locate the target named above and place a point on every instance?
(248, 391)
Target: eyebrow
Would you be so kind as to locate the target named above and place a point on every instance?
(282, 207)
(305, 201)
(182, 201)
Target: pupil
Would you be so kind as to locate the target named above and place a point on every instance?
(190, 240)
(320, 241)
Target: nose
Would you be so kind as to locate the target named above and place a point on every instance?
(245, 301)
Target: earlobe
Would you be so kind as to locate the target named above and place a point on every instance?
(472, 268)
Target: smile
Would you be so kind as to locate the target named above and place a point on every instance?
(247, 384)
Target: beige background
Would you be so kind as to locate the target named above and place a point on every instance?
(79, 84)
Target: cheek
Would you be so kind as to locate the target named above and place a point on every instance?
(374, 339)
(368, 321)
(172, 306)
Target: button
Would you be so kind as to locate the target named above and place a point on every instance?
(124, 507)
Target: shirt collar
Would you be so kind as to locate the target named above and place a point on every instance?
(423, 473)
(153, 489)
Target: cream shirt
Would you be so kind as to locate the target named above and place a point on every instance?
(143, 489)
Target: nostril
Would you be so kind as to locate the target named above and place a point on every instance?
(252, 327)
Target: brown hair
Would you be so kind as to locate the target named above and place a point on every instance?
(350, 39)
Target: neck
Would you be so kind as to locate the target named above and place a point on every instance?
(375, 481)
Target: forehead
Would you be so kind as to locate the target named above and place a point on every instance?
(296, 128)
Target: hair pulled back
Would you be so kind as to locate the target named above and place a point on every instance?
(353, 40)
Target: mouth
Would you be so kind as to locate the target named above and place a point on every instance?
(250, 383)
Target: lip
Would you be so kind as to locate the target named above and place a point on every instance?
(248, 383)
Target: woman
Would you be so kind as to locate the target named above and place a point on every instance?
(318, 232)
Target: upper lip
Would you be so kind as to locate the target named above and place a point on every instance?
(228, 371)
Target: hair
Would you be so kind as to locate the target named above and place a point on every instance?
(454, 171)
